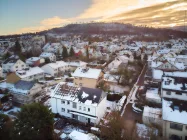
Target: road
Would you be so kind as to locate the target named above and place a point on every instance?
(131, 117)
(132, 95)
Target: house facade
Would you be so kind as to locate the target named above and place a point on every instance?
(13, 64)
(87, 77)
(55, 69)
(83, 104)
(174, 109)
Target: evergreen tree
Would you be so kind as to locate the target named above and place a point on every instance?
(17, 47)
(71, 53)
(7, 55)
(65, 52)
(87, 53)
(34, 122)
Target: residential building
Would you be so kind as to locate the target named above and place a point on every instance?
(35, 61)
(55, 69)
(152, 95)
(12, 64)
(47, 55)
(83, 104)
(31, 74)
(152, 116)
(87, 77)
(73, 65)
(174, 107)
(23, 91)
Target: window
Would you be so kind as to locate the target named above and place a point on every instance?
(84, 108)
(79, 107)
(88, 109)
(16, 66)
(80, 78)
(168, 92)
(22, 65)
(74, 105)
(178, 93)
(63, 109)
(68, 102)
(80, 84)
(68, 110)
(62, 102)
(176, 126)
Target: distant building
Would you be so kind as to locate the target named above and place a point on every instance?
(56, 69)
(31, 74)
(50, 56)
(13, 64)
(35, 61)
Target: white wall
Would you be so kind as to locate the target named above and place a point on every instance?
(101, 109)
(174, 95)
(47, 69)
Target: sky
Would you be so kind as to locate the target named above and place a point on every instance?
(23, 16)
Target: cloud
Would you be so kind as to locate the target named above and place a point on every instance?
(160, 15)
(107, 8)
(54, 21)
(45, 24)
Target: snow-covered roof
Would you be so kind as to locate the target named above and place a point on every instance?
(33, 59)
(152, 112)
(169, 114)
(77, 63)
(157, 74)
(152, 93)
(30, 72)
(169, 83)
(76, 135)
(87, 73)
(57, 65)
(46, 54)
(83, 95)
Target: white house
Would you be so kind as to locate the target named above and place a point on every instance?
(13, 64)
(152, 95)
(152, 116)
(83, 104)
(47, 55)
(54, 69)
(32, 74)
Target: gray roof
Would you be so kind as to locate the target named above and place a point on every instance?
(24, 85)
(92, 92)
(11, 59)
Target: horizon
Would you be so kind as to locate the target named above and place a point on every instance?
(19, 17)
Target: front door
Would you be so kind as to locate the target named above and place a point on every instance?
(88, 120)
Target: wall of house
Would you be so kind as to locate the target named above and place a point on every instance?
(35, 89)
(57, 106)
(19, 65)
(47, 69)
(87, 82)
(174, 95)
(39, 76)
(101, 109)
(182, 60)
(150, 120)
(167, 131)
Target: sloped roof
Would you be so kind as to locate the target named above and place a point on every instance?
(24, 85)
